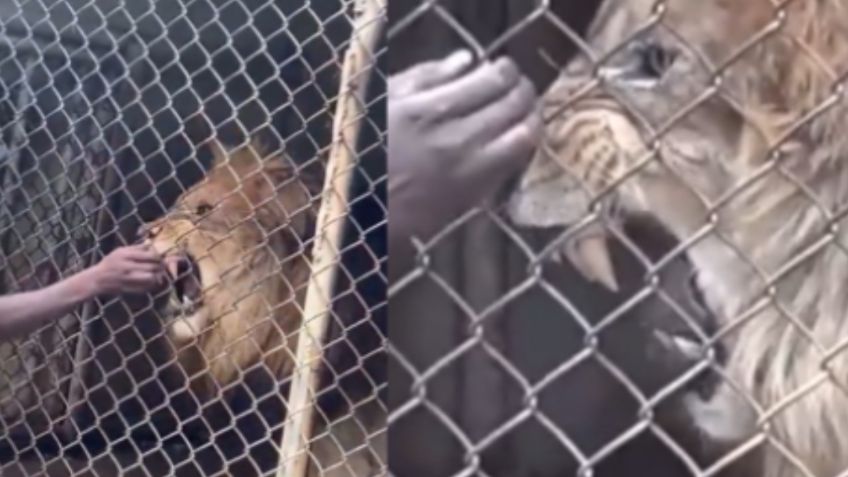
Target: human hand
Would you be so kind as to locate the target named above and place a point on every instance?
(132, 269)
(454, 137)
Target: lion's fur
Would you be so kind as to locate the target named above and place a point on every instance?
(254, 267)
(761, 170)
(253, 255)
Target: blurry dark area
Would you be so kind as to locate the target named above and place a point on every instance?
(471, 410)
(540, 41)
(103, 108)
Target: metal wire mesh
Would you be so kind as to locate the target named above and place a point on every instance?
(694, 135)
(117, 117)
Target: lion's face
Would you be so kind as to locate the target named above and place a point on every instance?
(722, 83)
(234, 248)
(748, 96)
(659, 65)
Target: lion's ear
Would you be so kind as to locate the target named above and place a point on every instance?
(253, 156)
(247, 157)
(220, 156)
(261, 149)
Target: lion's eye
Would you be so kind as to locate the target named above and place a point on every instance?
(655, 60)
(203, 209)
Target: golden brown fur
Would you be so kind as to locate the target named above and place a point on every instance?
(754, 178)
(245, 226)
(242, 225)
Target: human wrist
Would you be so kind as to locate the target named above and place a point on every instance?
(85, 284)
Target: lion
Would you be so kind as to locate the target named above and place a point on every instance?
(236, 247)
(742, 155)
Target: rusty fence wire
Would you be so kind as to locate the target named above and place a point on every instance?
(654, 295)
(202, 128)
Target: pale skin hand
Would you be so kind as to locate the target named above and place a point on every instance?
(134, 269)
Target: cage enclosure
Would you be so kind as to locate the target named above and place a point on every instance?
(108, 112)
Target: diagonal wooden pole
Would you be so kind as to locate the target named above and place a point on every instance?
(369, 19)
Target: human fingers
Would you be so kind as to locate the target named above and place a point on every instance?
(510, 151)
(147, 267)
(470, 92)
(497, 118)
(144, 282)
(141, 279)
(141, 253)
(429, 74)
(161, 277)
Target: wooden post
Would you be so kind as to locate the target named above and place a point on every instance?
(369, 17)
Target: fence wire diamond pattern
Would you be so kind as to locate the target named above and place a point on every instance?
(575, 345)
(202, 128)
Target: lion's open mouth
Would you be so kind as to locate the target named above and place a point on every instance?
(187, 291)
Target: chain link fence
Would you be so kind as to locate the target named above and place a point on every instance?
(655, 294)
(203, 128)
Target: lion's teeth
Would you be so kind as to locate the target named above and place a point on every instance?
(182, 305)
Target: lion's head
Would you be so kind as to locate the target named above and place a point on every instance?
(740, 109)
(236, 249)
(726, 86)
